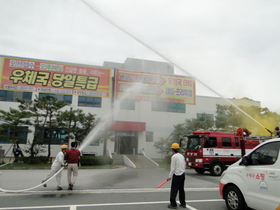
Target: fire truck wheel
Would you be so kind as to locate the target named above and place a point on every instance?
(216, 169)
(199, 170)
(234, 199)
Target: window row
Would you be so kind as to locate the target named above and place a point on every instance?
(56, 136)
(87, 101)
(12, 96)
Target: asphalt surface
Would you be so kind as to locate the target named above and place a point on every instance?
(120, 188)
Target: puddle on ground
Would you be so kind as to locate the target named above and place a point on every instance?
(56, 195)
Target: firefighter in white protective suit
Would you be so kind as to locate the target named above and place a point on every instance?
(56, 166)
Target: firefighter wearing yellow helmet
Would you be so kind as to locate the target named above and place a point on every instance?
(177, 174)
(56, 166)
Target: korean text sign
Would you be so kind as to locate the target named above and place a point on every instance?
(53, 77)
(156, 87)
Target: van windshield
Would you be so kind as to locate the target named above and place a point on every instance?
(194, 142)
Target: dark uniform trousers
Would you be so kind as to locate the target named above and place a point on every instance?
(177, 185)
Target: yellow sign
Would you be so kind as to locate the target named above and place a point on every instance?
(156, 87)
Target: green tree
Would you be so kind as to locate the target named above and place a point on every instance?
(257, 120)
(14, 121)
(162, 147)
(228, 118)
(45, 111)
(44, 116)
(204, 122)
(104, 136)
(76, 123)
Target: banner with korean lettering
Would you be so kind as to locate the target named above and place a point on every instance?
(156, 87)
(19, 74)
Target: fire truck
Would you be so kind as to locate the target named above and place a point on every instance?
(214, 151)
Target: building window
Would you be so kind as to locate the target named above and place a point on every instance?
(56, 136)
(20, 134)
(199, 115)
(66, 98)
(149, 136)
(6, 95)
(127, 104)
(168, 107)
(89, 101)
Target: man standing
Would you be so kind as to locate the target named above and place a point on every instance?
(72, 158)
(56, 166)
(177, 174)
(16, 153)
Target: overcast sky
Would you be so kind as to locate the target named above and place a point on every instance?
(230, 46)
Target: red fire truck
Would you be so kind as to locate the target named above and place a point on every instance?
(214, 151)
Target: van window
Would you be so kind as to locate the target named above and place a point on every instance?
(226, 142)
(265, 155)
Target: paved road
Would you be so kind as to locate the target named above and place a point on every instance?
(121, 188)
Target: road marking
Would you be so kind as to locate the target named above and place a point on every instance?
(135, 190)
(74, 207)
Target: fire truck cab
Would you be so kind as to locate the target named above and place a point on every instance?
(214, 151)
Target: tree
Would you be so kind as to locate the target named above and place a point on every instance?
(44, 116)
(14, 122)
(45, 111)
(204, 122)
(76, 123)
(228, 118)
(258, 119)
(163, 147)
(104, 136)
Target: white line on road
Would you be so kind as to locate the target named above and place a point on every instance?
(135, 190)
(74, 207)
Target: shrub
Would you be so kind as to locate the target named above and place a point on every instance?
(34, 160)
(167, 159)
(95, 160)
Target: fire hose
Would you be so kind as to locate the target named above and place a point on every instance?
(5, 164)
(16, 191)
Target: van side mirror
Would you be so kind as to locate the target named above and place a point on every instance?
(244, 161)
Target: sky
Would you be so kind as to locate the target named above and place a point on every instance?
(231, 48)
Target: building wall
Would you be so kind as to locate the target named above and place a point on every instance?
(160, 123)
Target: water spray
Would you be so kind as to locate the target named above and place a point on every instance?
(165, 58)
(107, 120)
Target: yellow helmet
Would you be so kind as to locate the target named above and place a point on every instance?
(64, 146)
(175, 146)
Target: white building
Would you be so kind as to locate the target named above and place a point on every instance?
(139, 120)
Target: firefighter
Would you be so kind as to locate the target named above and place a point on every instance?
(177, 174)
(277, 131)
(56, 166)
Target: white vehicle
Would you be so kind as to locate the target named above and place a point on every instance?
(254, 181)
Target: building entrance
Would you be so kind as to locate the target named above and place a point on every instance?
(127, 144)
